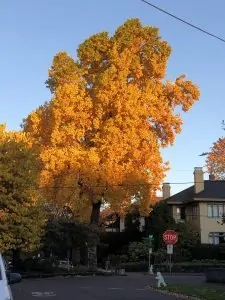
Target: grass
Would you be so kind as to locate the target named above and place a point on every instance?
(201, 292)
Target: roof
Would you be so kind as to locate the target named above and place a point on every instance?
(212, 189)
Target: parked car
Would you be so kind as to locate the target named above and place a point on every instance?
(65, 265)
(6, 279)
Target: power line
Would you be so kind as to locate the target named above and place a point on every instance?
(184, 21)
(115, 185)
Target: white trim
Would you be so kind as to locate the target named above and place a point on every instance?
(209, 199)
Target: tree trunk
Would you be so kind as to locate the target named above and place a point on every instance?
(92, 248)
(95, 213)
(16, 261)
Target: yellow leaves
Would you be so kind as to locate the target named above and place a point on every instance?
(64, 70)
(216, 159)
(110, 114)
(71, 109)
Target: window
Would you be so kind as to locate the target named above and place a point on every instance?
(216, 210)
(178, 216)
(216, 238)
(180, 213)
(194, 211)
(221, 210)
(210, 214)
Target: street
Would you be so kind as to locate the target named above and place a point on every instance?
(96, 288)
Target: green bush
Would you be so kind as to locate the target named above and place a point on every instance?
(208, 252)
(117, 242)
(160, 256)
(123, 258)
(44, 266)
(37, 265)
(189, 267)
(138, 250)
(135, 266)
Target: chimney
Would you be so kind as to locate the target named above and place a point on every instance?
(211, 177)
(199, 180)
(166, 190)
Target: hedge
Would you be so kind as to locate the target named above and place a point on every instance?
(184, 267)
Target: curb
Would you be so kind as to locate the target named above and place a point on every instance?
(180, 274)
(165, 292)
(184, 274)
(36, 276)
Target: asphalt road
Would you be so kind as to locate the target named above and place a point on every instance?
(96, 288)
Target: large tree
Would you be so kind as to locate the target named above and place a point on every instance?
(216, 159)
(112, 111)
(22, 218)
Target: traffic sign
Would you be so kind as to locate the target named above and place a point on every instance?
(170, 237)
(169, 248)
(151, 237)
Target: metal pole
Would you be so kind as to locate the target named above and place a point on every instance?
(170, 263)
(68, 261)
(87, 253)
(149, 256)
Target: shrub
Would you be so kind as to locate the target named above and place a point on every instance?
(138, 250)
(208, 252)
(117, 242)
(37, 265)
(44, 266)
(135, 266)
(189, 267)
(123, 258)
(160, 256)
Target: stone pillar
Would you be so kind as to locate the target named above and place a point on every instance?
(122, 225)
(142, 224)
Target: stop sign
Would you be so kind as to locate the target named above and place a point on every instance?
(170, 237)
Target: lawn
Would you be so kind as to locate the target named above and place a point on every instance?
(201, 292)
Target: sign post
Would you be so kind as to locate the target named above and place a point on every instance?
(170, 238)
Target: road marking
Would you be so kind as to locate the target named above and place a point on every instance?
(115, 288)
(43, 294)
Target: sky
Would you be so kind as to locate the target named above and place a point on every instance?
(32, 32)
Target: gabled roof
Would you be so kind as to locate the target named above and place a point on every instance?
(213, 189)
(183, 196)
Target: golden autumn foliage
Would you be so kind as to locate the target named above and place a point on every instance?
(21, 216)
(216, 159)
(99, 137)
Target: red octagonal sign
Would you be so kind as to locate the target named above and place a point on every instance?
(170, 237)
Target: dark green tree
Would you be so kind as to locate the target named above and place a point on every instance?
(159, 220)
(62, 237)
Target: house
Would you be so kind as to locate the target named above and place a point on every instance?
(113, 222)
(203, 205)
